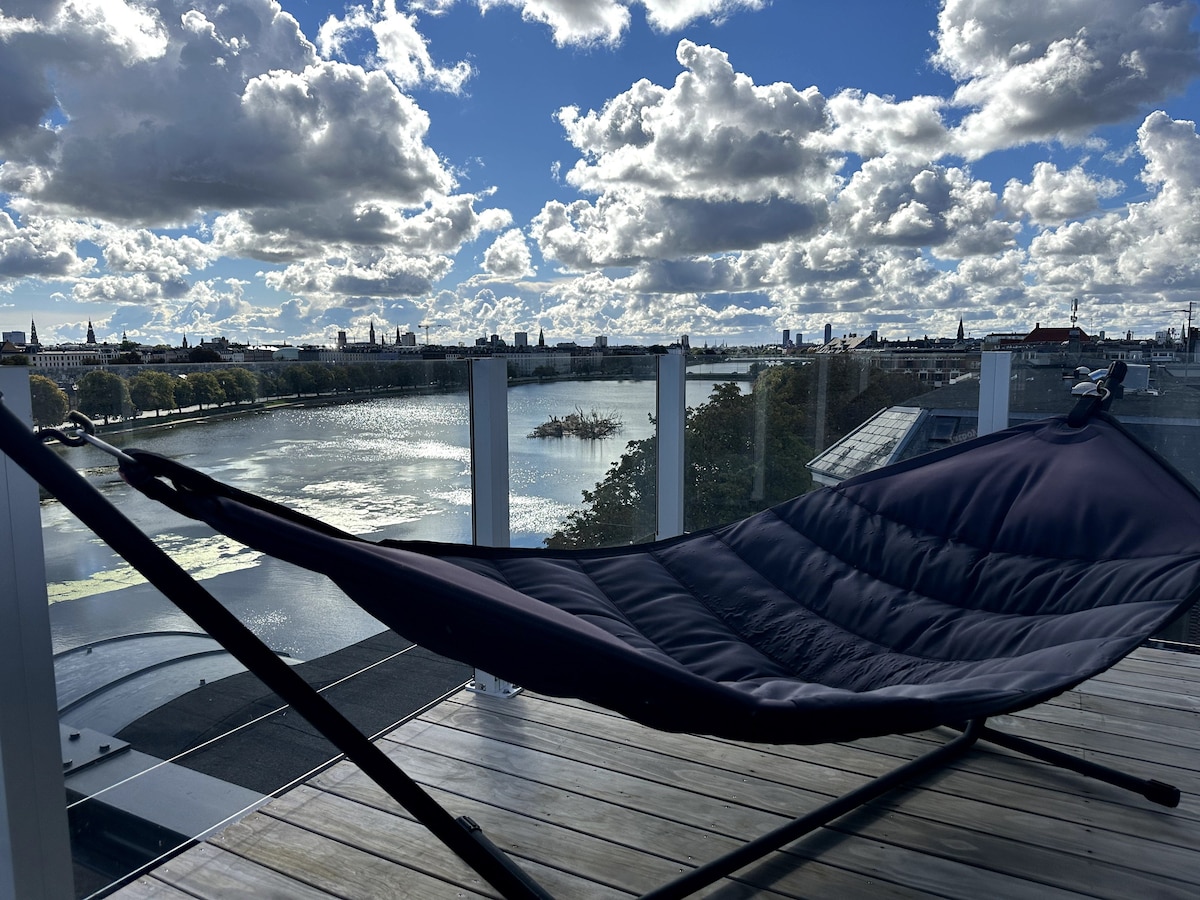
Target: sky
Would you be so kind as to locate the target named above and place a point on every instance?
(638, 169)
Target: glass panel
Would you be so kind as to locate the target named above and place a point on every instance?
(148, 711)
(1160, 404)
(776, 427)
(581, 447)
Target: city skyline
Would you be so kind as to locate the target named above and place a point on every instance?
(639, 169)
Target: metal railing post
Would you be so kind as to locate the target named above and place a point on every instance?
(35, 847)
(670, 416)
(488, 383)
(995, 371)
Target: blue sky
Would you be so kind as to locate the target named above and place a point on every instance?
(639, 169)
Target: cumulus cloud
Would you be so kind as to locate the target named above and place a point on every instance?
(1053, 197)
(605, 21)
(870, 126)
(43, 248)
(509, 256)
(1031, 70)
(402, 51)
(1146, 255)
(712, 163)
(224, 118)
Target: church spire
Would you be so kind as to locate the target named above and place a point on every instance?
(541, 338)
(960, 328)
(91, 334)
(372, 331)
(33, 332)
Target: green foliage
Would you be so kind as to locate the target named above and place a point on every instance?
(184, 395)
(152, 390)
(15, 359)
(237, 384)
(50, 403)
(104, 394)
(205, 389)
(743, 452)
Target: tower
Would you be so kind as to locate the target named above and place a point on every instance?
(541, 338)
(960, 328)
(33, 332)
(91, 334)
(372, 331)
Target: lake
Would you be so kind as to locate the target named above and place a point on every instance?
(395, 467)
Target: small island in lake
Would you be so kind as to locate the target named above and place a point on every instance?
(591, 425)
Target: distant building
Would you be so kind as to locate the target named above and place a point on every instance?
(15, 337)
(828, 333)
(601, 341)
(1040, 335)
(521, 339)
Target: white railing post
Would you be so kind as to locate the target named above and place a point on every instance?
(995, 372)
(35, 847)
(488, 382)
(670, 416)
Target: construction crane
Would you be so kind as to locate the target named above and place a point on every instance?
(426, 326)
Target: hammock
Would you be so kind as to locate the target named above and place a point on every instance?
(969, 582)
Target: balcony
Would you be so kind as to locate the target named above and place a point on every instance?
(597, 806)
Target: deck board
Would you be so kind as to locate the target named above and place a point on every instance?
(595, 806)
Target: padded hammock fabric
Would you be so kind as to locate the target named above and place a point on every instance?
(972, 581)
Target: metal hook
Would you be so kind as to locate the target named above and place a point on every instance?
(85, 434)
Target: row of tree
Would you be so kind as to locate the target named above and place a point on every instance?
(103, 394)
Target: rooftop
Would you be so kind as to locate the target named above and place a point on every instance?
(596, 806)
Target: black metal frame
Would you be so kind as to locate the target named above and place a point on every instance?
(462, 835)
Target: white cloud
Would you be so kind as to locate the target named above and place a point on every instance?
(606, 21)
(870, 126)
(714, 163)
(509, 256)
(1031, 70)
(1054, 197)
(402, 51)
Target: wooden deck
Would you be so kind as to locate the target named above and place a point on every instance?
(595, 806)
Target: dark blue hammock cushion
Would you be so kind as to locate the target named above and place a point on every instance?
(976, 580)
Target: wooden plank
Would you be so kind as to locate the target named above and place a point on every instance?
(149, 888)
(211, 873)
(341, 870)
(1175, 657)
(824, 865)
(835, 767)
(1005, 828)
(998, 778)
(385, 832)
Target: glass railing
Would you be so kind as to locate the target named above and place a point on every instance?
(164, 736)
(776, 428)
(565, 435)
(1159, 404)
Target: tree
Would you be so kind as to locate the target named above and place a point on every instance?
(238, 385)
(152, 390)
(205, 389)
(103, 394)
(50, 403)
(184, 395)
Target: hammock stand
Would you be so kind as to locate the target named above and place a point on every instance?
(199, 496)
